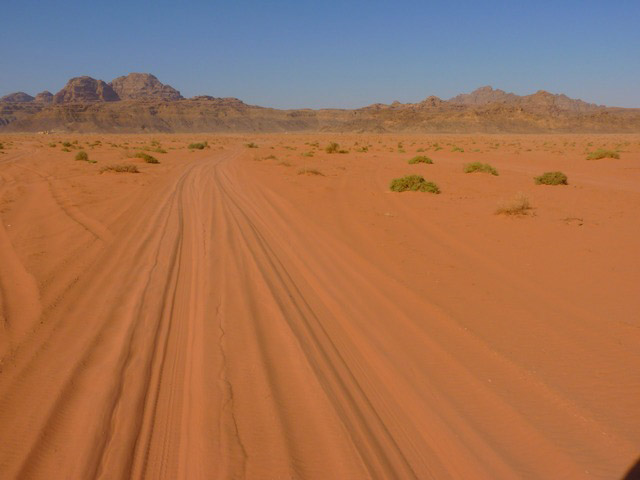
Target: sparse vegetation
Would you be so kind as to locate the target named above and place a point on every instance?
(333, 147)
(480, 167)
(602, 153)
(551, 178)
(66, 144)
(519, 205)
(413, 183)
(457, 149)
(147, 158)
(251, 145)
(120, 168)
(420, 159)
(198, 146)
(310, 171)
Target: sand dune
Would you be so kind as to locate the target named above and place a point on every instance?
(220, 316)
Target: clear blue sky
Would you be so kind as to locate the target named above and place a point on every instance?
(329, 54)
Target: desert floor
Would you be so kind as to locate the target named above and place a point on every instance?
(220, 315)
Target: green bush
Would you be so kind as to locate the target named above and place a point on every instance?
(551, 178)
(82, 155)
(420, 159)
(147, 158)
(333, 147)
(414, 183)
(198, 146)
(480, 167)
(602, 153)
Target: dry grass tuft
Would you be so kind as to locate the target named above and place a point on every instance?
(519, 205)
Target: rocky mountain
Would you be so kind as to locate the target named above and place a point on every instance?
(143, 86)
(45, 97)
(484, 95)
(139, 102)
(17, 97)
(541, 99)
(85, 90)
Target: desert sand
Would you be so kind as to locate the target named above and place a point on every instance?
(219, 315)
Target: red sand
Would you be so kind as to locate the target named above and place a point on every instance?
(220, 316)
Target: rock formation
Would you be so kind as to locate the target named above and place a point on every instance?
(143, 86)
(17, 97)
(89, 105)
(85, 90)
(45, 97)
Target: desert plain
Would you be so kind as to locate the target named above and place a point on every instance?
(261, 308)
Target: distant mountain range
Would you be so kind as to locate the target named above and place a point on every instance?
(139, 102)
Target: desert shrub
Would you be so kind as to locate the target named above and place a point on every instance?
(602, 153)
(198, 146)
(270, 157)
(420, 159)
(519, 205)
(1, 146)
(52, 145)
(480, 167)
(307, 154)
(362, 149)
(147, 158)
(310, 171)
(120, 168)
(251, 145)
(457, 149)
(333, 147)
(66, 144)
(284, 163)
(551, 178)
(82, 155)
(414, 183)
